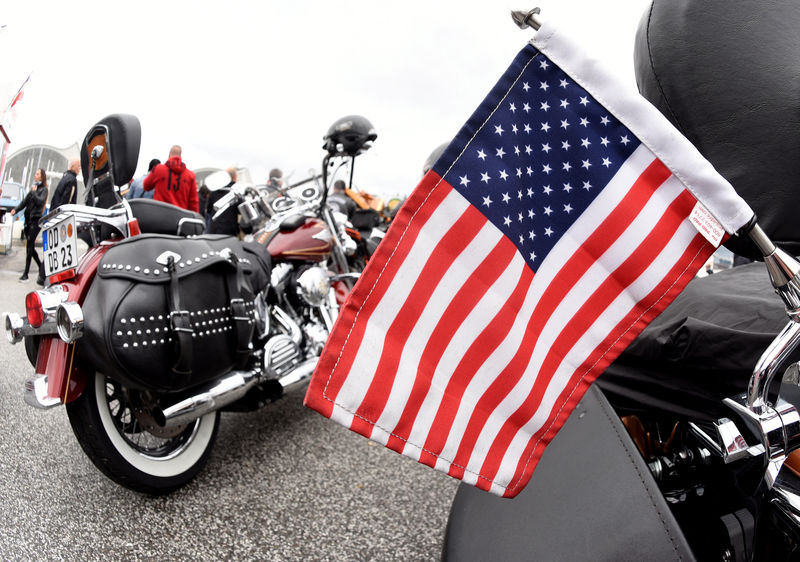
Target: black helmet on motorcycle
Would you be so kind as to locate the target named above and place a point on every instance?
(349, 136)
(729, 83)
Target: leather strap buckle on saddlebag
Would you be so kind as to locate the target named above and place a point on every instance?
(181, 325)
(182, 333)
(179, 321)
(243, 327)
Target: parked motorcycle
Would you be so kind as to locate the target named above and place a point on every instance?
(158, 328)
(686, 447)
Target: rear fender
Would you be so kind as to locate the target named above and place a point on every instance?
(56, 358)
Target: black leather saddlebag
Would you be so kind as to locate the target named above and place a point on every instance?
(166, 313)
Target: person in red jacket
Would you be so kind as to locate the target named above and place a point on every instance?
(173, 182)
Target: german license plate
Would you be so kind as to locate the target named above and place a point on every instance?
(60, 246)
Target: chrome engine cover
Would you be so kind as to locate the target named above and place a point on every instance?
(281, 355)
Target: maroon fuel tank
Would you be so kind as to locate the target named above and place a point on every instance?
(311, 241)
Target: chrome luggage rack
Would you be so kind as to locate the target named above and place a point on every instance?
(87, 217)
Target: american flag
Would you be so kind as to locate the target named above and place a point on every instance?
(546, 237)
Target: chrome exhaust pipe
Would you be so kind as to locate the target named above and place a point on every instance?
(226, 391)
(298, 376)
(217, 395)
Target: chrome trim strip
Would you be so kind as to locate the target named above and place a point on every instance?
(189, 220)
(35, 393)
(785, 497)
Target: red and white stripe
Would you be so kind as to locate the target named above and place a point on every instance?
(451, 351)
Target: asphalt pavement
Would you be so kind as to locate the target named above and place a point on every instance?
(282, 483)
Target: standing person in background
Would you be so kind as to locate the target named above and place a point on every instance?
(227, 222)
(275, 180)
(34, 204)
(173, 182)
(137, 186)
(202, 202)
(66, 192)
(340, 201)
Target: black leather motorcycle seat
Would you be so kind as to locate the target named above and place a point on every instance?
(157, 217)
(728, 77)
(590, 498)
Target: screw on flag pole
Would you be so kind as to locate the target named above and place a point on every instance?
(527, 19)
(564, 216)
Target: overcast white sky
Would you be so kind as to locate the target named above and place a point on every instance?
(257, 84)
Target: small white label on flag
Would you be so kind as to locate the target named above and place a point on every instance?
(706, 224)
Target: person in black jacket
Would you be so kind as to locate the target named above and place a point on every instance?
(66, 193)
(340, 201)
(33, 204)
(228, 221)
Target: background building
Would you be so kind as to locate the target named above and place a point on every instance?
(22, 165)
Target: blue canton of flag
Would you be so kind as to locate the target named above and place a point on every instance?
(541, 158)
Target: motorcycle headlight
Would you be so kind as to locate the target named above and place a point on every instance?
(69, 321)
(313, 285)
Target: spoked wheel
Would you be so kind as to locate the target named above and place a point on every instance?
(117, 433)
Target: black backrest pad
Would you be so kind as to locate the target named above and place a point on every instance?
(120, 158)
(728, 76)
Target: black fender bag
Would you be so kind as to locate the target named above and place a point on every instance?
(592, 497)
(166, 313)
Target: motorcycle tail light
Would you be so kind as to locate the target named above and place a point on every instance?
(69, 321)
(34, 309)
